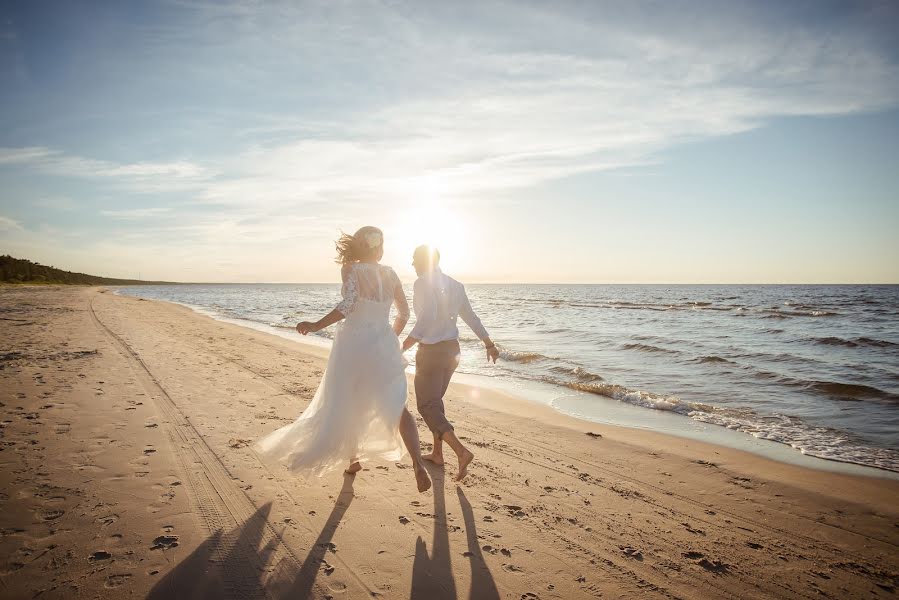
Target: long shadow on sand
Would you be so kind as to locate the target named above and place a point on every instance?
(226, 565)
(432, 576)
(231, 565)
(302, 585)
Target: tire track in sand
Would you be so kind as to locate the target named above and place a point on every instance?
(222, 505)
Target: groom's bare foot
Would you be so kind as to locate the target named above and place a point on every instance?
(437, 459)
(464, 460)
(422, 479)
(353, 468)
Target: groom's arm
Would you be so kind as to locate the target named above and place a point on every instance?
(474, 323)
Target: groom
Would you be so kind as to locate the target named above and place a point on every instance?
(437, 300)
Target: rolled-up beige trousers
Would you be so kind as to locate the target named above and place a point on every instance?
(434, 367)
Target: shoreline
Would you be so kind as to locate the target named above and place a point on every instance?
(620, 414)
(127, 468)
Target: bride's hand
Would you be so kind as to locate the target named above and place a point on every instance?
(305, 327)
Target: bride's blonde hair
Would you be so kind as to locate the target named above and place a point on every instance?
(359, 246)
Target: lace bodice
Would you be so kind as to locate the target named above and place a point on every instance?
(366, 282)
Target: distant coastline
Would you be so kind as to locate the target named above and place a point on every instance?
(18, 271)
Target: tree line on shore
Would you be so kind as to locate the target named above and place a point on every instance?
(18, 270)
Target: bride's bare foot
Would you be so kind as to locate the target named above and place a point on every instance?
(353, 468)
(422, 479)
(464, 460)
(437, 459)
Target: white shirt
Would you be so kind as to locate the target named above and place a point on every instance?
(437, 300)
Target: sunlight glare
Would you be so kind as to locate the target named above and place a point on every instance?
(434, 223)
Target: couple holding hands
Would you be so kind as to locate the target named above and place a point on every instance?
(359, 411)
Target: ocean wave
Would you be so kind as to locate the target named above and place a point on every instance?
(878, 343)
(714, 359)
(777, 313)
(822, 442)
(854, 343)
(578, 373)
(521, 357)
(852, 391)
(648, 348)
(635, 397)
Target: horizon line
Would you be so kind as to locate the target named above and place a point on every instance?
(159, 282)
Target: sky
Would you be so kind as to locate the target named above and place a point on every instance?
(582, 142)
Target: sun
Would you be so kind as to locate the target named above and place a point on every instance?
(434, 223)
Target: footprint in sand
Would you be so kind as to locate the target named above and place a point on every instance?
(404, 520)
(50, 515)
(715, 566)
(107, 520)
(114, 581)
(164, 542)
(150, 450)
(99, 555)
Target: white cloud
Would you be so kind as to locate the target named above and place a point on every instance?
(141, 176)
(24, 155)
(136, 213)
(465, 106)
(371, 106)
(7, 224)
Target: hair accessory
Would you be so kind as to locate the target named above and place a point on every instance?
(373, 239)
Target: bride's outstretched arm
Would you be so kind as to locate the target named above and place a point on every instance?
(329, 319)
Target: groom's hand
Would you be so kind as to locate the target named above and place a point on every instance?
(492, 350)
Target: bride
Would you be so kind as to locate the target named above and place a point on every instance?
(359, 411)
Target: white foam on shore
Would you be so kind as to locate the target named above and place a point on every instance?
(609, 411)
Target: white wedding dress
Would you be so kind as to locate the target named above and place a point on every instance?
(355, 414)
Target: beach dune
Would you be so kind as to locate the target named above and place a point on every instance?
(127, 470)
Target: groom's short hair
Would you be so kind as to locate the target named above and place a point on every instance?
(427, 253)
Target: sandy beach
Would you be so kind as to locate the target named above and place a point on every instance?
(127, 472)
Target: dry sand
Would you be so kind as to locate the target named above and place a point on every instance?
(127, 472)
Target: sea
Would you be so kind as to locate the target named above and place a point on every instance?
(811, 368)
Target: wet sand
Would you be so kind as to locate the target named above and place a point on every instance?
(127, 471)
